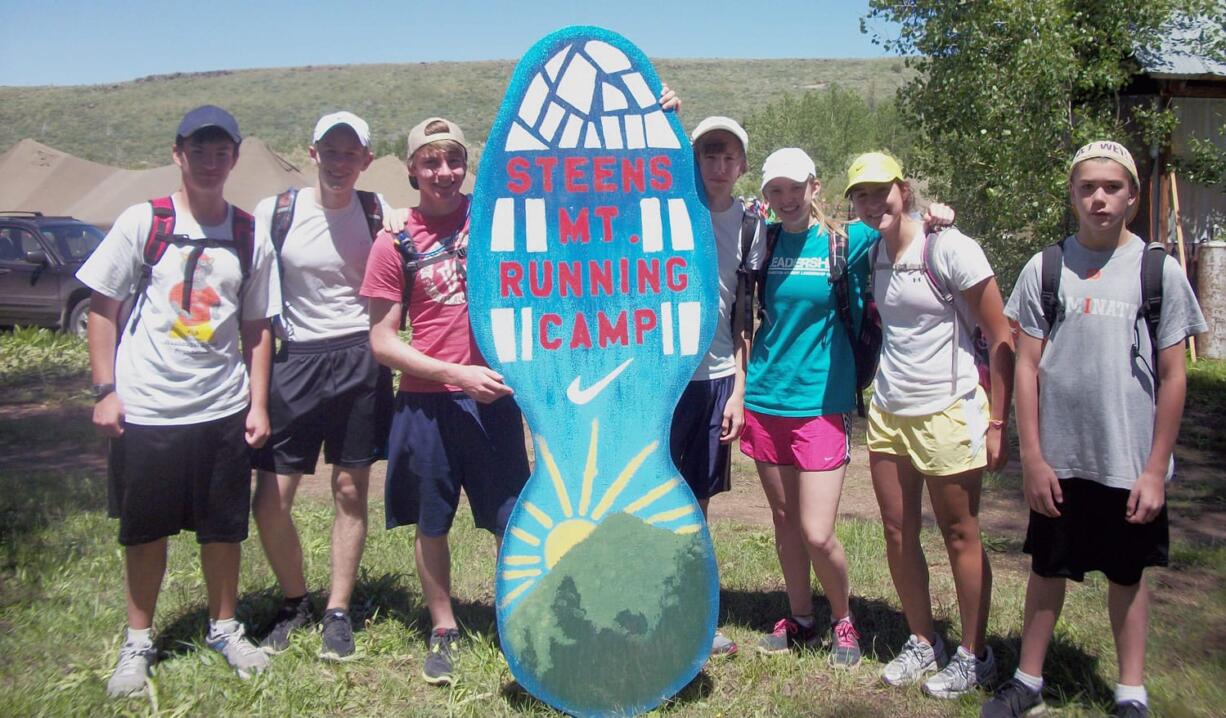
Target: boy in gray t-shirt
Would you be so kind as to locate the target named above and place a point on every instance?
(1098, 412)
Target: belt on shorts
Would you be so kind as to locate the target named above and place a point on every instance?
(330, 344)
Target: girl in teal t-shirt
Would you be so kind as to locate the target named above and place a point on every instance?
(799, 390)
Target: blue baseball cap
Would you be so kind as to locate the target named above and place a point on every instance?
(209, 116)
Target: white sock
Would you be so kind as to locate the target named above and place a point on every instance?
(1034, 683)
(806, 621)
(139, 636)
(1131, 693)
(965, 654)
(222, 626)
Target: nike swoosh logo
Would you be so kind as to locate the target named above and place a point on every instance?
(583, 396)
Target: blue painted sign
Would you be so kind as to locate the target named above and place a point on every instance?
(593, 290)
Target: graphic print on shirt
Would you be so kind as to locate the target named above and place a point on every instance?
(196, 321)
(593, 289)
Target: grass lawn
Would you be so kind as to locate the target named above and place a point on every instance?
(61, 600)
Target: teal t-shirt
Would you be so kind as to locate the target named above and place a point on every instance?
(801, 363)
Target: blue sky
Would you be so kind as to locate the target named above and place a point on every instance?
(73, 42)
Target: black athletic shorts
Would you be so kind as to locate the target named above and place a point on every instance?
(330, 393)
(194, 477)
(698, 422)
(1091, 535)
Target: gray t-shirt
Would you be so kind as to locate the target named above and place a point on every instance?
(1096, 382)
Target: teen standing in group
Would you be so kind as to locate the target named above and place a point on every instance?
(1100, 389)
(930, 422)
(798, 400)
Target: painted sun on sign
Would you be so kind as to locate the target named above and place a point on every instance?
(592, 290)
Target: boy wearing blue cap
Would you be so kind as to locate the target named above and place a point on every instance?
(181, 385)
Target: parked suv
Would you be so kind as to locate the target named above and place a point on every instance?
(39, 259)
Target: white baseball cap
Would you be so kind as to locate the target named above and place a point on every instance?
(719, 122)
(789, 162)
(357, 124)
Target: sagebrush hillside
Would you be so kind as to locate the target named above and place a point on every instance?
(130, 124)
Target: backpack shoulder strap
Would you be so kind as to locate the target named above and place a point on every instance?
(1051, 266)
(772, 238)
(282, 218)
(838, 280)
(749, 228)
(373, 209)
(939, 285)
(1153, 259)
(160, 231)
(242, 230)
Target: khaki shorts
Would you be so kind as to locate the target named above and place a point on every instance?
(942, 444)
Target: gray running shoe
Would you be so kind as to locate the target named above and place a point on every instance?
(131, 674)
(788, 634)
(1130, 709)
(338, 636)
(290, 618)
(722, 646)
(962, 675)
(844, 644)
(1014, 700)
(444, 643)
(243, 656)
(916, 660)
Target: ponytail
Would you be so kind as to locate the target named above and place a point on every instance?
(824, 223)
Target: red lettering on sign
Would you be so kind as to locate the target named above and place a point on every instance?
(540, 278)
(661, 177)
(580, 337)
(674, 274)
(570, 279)
(543, 329)
(518, 179)
(574, 228)
(602, 172)
(632, 175)
(606, 215)
(623, 263)
(644, 321)
(649, 274)
(572, 171)
(609, 332)
(510, 279)
(601, 277)
(547, 163)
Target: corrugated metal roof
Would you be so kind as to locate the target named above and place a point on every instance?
(1185, 52)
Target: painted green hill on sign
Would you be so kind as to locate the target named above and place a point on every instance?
(593, 642)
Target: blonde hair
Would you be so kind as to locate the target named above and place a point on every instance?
(824, 222)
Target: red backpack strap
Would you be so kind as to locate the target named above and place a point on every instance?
(161, 229)
(373, 209)
(243, 234)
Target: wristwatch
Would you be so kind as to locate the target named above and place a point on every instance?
(101, 390)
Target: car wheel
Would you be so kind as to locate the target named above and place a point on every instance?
(78, 318)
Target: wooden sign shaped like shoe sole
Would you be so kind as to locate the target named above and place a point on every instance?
(593, 290)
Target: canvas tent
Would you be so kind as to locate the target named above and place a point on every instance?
(39, 178)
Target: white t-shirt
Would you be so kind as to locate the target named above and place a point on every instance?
(921, 370)
(719, 360)
(181, 367)
(322, 265)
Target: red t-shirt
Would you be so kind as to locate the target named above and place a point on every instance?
(438, 305)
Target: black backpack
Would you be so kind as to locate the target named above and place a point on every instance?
(745, 279)
(1150, 309)
(283, 219)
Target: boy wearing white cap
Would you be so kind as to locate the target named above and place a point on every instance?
(711, 412)
(327, 390)
(1097, 436)
(171, 389)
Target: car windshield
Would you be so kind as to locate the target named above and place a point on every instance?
(74, 241)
